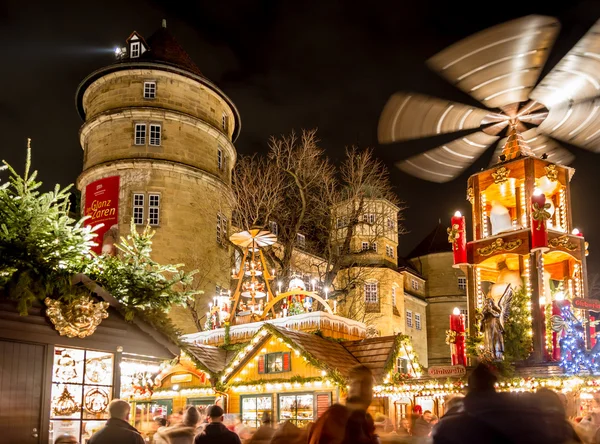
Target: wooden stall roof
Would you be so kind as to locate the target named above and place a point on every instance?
(374, 353)
(324, 350)
(215, 359)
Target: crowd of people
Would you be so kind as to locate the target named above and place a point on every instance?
(481, 416)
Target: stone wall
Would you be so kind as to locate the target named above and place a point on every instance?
(442, 295)
(125, 89)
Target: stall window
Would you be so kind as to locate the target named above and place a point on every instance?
(274, 363)
(146, 411)
(82, 386)
(253, 408)
(298, 408)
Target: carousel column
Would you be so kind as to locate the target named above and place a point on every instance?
(469, 271)
(538, 319)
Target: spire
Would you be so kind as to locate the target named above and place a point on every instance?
(515, 146)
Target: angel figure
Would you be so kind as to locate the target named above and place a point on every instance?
(492, 322)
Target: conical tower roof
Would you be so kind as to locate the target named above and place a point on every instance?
(515, 146)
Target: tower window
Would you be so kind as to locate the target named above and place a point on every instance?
(138, 209)
(135, 50)
(390, 223)
(418, 321)
(374, 247)
(149, 90)
(140, 134)
(273, 227)
(369, 218)
(155, 134)
(301, 240)
(221, 229)
(153, 209)
(225, 122)
(389, 251)
(409, 319)
(415, 284)
(462, 283)
(371, 293)
(394, 297)
(365, 246)
(220, 158)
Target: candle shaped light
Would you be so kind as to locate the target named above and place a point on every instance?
(326, 293)
(458, 238)
(279, 286)
(577, 233)
(457, 349)
(313, 282)
(539, 216)
(557, 304)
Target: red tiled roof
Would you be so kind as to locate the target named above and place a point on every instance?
(165, 49)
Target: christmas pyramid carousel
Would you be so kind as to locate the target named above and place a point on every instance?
(526, 265)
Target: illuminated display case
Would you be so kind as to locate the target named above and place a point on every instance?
(298, 408)
(253, 408)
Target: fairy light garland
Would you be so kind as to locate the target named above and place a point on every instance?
(478, 286)
(563, 209)
(484, 224)
(524, 220)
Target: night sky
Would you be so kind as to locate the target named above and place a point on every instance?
(330, 64)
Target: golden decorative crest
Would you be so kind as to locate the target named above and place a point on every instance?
(540, 213)
(453, 234)
(499, 245)
(470, 195)
(551, 172)
(78, 318)
(564, 242)
(501, 175)
(451, 336)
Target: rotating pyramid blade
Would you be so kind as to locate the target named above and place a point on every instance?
(578, 124)
(409, 116)
(576, 77)
(448, 161)
(499, 66)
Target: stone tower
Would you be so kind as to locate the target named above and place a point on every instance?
(154, 121)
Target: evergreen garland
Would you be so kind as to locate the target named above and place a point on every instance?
(41, 247)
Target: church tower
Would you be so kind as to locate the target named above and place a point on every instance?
(159, 136)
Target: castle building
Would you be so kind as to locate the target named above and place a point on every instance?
(444, 289)
(159, 135)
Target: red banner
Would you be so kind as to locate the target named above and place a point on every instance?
(102, 205)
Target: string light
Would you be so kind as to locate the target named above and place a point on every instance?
(484, 216)
(563, 210)
(478, 285)
(524, 218)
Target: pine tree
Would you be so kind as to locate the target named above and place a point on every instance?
(41, 247)
(574, 356)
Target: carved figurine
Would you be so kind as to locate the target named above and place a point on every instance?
(492, 322)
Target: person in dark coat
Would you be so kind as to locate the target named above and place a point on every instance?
(422, 426)
(117, 429)
(216, 432)
(495, 418)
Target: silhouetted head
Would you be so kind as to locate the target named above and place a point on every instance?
(360, 392)
(482, 379)
(191, 417)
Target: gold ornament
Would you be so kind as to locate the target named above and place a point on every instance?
(501, 175)
(551, 172)
(499, 245)
(470, 195)
(564, 242)
(540, 214)
(76, 319)
(96, 370)
(65, 368)
(451, 337)
(96, 401)
(65, 405)
(453, 234)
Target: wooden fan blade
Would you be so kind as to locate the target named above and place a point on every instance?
(499, 65)
(448, 161)
(535, 118)
(408, 116)
(576, 77)
(578, 124)
(496, 128)
(529, 108)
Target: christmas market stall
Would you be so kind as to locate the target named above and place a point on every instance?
(67, 361)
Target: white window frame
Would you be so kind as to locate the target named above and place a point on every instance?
(394, 301)
(273, 227)
(462, 283)
(415, 284)
(465, 313)
(150, 90)
(141, 139)
(365, 246)
(135, 50)
(369, 218)
(409, 319)
(138, 207)
(220, 162)
(390, 223)
(225, 122)
(371, 290)
(374, 247)
(155, 134)
(389, 251)
(301, 240)
(154, 209)
(418, 321)
(221, 229)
